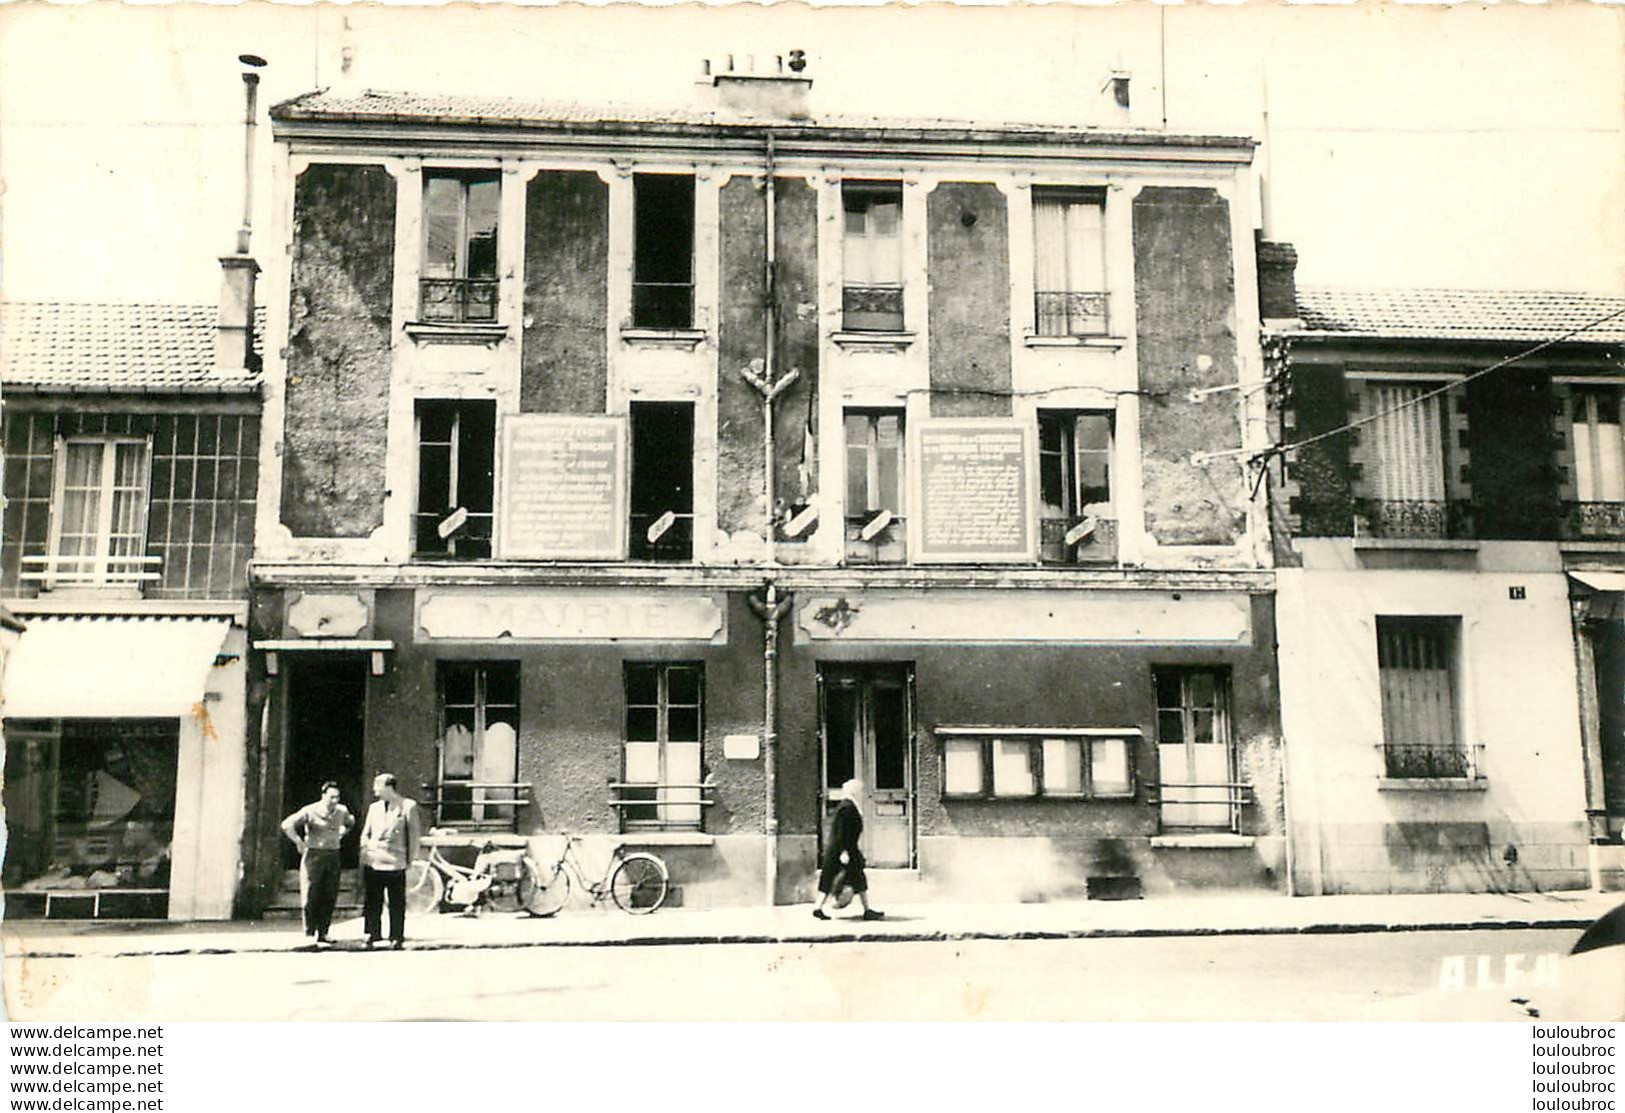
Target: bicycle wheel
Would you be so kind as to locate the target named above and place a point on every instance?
(639, 884)
(547, 892)
(424, 887)
(509, 896)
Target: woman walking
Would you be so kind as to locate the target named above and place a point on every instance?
(317, 830)
(843, 861)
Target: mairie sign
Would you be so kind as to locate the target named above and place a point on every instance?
(570, 615)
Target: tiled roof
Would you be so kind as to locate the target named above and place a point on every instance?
(1463, 314)
(116, 347)
(402, 107)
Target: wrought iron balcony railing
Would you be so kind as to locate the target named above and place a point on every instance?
(458, 300)
(663, 305)
(476, 805)
(1593, 521)
(1414, 519)
(1430, 761)
(1096, 546)
(872, 308)
(1071, 312)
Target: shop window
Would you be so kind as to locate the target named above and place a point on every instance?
(662, 497)
(459, 279)
(875, 525)
(456, 459)
(99, 515)
(1069, 262)
(90, 813)
(665, 726)
(1077, 523)
(1084, 763)
(663, 251)
(1421, 712)
(872, 257)
(479, 743)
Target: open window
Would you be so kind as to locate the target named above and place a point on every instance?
(458, 284)
(663, 251)
(456, 462)
(1077, 522)
(872, 257)
(875, 525)
(661, 525)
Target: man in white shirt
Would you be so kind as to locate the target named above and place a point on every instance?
(389, 838)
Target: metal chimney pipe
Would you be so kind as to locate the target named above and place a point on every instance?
(251, 83)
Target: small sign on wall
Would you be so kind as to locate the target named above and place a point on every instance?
(741, 747)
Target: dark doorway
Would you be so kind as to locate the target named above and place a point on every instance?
(867, 714)
(1608, 642)
(327, 700)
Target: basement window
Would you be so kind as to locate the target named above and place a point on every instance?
(662, 497)
(1029, 762)
(456, 458)
(458, 284)
(663, 251)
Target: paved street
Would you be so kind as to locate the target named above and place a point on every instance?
(1287, 977)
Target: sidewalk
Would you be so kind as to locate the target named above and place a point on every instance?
(597, 927)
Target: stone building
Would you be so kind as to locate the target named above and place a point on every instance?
(648, 474)
(1451, 528)
(131, 450)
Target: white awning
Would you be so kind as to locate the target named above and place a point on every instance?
(1600, 581)
(111, 666)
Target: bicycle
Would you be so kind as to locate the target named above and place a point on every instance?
(503, 876)
(636, 882)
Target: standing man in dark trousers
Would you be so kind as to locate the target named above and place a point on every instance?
(389, 838)
(317, 830)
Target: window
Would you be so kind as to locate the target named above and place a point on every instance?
(665, 705)
(663, 251)
(1074, 485)
(459, 279)
(1198, 783)
(99, 535)
(874, 486)
(1060, 762)
(1416, 665)
(1069, 262)
(662, 502)
(1599, 453)
(456, 453)
(872, 257)
(479, 742)
(1411, 454)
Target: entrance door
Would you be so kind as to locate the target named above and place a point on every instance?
(326, 702)
(867, 715)
(1194, 751)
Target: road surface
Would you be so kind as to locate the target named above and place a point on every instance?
(1267, 977)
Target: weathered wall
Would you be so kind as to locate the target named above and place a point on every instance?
(565, 355)
(1185, 309)
(205, 473)
(968, 260)
(1514, 476)
(740, 339)
(796, 300)
(340, 318)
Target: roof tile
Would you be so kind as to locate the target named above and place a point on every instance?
(104, 346)
(1440, 314)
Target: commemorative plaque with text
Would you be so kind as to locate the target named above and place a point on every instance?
(563, 488)
(973, 478)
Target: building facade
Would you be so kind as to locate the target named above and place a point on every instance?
(1454, 500)
(647, 475)
(131, 469)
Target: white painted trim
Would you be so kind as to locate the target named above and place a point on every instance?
(1039, 732)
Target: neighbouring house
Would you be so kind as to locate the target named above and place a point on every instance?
(1452, 536)
(131, 445)
(647, 474)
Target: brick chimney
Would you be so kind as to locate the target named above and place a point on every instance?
(767, 87)
(234, 328)
(1277, 281)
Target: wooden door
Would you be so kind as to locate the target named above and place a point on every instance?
(867, 718)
